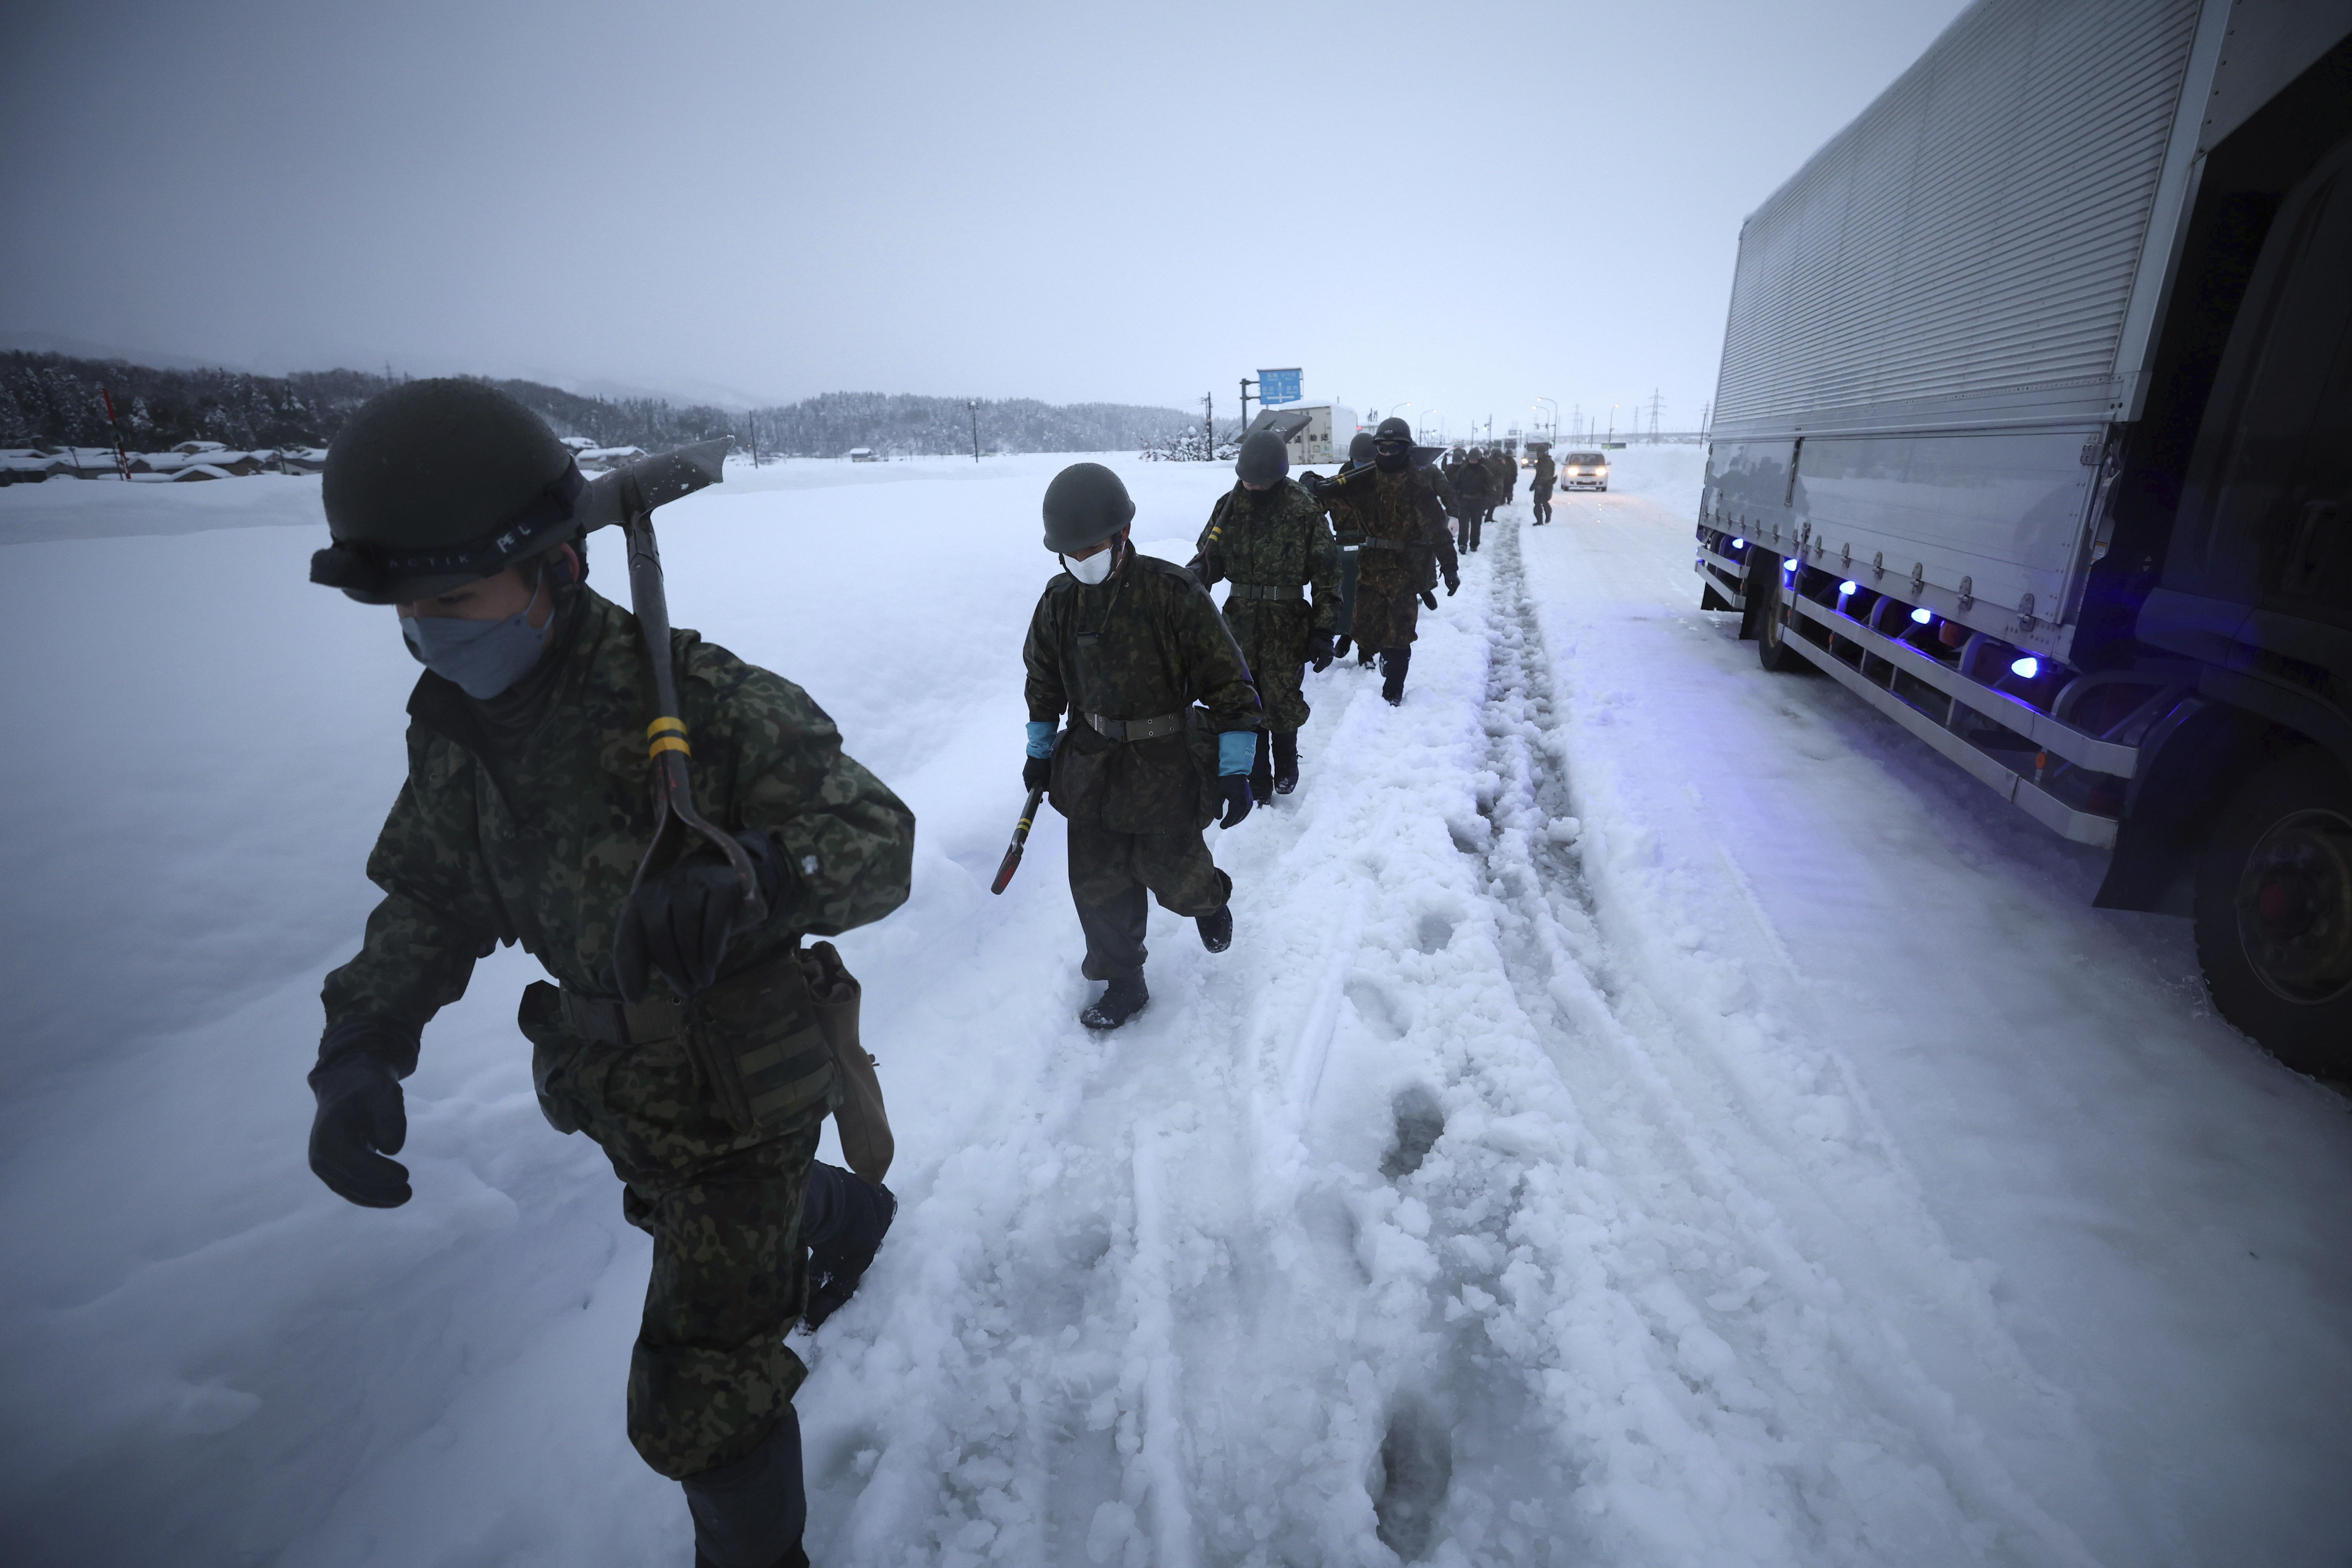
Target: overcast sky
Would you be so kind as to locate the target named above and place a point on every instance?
(1461, 206)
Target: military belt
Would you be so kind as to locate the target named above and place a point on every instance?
(1374, 543)
(604, 1022)
(1137, 729)
(1265, 591)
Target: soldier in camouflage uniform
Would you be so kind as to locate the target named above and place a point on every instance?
(680, 1037)
(1473, 490)
(1268, 538)
(1505, 469)
(1402, 508)
(1348, 534)
(1129, 645)
(1539, 483)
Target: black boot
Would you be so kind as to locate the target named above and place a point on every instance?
(1286, 760)
(1216, 929)
(1120, 1000)
(753, 1509)
(1394, 661)
(1339, 646)
(842, 1220)
(1262, 772)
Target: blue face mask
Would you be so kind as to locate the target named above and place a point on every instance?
(483, 658)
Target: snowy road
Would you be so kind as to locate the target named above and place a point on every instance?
(1652, 1112)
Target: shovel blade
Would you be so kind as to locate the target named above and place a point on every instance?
(661, 478)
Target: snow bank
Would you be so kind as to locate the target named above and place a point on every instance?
(1647, 1116)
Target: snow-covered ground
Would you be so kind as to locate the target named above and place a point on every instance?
(1652, 1112)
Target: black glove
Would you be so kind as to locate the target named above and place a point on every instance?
(1315, 484)
(680, 920)
(361, 1117)
(1453, 585)
(1037, 771)
(1431, 599)
(1318, 650)
(1235, 788)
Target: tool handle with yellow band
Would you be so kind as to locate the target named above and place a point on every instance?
(1012, 862)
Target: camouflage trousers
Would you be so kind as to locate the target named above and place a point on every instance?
(1111, 872)
(710, 1375)
(1280, 676)
(1388, 604)
(1351, 561)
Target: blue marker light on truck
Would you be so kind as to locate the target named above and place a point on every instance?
(1845, 590)
(1740, 544)
(1923, 615)
(2026, 669)
(1789, 564)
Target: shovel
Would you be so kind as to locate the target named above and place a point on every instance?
(627, 496)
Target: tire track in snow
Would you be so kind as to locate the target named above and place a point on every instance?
(1892, 1470)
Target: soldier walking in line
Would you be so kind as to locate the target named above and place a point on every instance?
(1127, 644)
(1401, 508)
(1349, 533)
(679, 1035)
(1473, 489)
(1506, 479)
(1269, 539)
(1539, 483)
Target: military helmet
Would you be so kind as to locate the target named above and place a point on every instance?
(1392, 428)
(1085, 504)
(435, 484)
(1359, 450)
(1264, 459)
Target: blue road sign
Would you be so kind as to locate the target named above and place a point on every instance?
(1275, 386)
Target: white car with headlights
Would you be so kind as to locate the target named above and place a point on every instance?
(1584, 471)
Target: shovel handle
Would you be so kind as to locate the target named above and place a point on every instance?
(665, 739)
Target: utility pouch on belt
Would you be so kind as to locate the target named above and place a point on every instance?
(858, 1114)
(756, 1038)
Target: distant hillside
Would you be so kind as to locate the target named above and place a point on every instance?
(51, 400)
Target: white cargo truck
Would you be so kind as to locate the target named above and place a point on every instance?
(2033, 430)
(1316, 433)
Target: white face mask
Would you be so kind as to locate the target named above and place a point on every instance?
(1095, 568)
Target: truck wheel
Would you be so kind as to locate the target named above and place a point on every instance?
(2274, 912)
(1767, 608)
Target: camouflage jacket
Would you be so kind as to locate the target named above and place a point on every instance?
(1146, 644)
(1408, 507)
(1282, 542)
(538, 842)
(1472, 482)
(1544, 472)
(1506, 472)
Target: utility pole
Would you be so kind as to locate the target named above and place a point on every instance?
(1657, 406)
(1246, 384)
(1209, 426)
(974, 405)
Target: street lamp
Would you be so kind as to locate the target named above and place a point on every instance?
(1538, 404)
